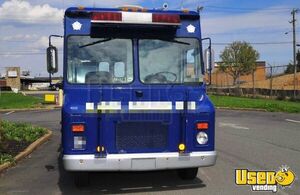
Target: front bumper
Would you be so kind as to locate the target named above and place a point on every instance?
(139, 162)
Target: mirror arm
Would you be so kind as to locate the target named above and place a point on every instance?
(210, 56)
(59, 36)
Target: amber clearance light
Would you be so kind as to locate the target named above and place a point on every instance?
(78, 128)
(202, 126)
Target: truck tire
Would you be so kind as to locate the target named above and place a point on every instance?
(81, 179)
(187, 174)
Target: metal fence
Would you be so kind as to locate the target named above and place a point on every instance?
(268, 82)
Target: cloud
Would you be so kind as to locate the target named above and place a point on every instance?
(19, 37)
(90, 3)
(259, 20)
(25, 13)
(116, 3)
(43, 42)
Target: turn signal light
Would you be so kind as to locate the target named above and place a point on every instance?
(78, 128)
(181, 147)
(202, 126)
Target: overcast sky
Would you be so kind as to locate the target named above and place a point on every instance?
(26, 25)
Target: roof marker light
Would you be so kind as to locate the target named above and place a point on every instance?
(185, 10)
(125, 9)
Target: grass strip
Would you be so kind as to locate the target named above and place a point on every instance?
(255, 103)
(9, 100)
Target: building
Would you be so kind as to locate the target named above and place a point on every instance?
(16, 80)
(13, 78)
(222, 79)
(2, 82)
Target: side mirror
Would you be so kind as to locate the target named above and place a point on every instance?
(209, 60)
(52, 62)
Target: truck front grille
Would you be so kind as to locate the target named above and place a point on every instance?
(141, 135)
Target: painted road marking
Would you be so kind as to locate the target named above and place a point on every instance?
(8, 113)
(293, 121)
(232, 125)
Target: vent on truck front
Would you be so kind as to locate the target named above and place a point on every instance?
(141, 136)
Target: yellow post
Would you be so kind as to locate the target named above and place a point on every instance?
(60, 97)
(49, 98)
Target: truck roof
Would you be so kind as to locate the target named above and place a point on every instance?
(89, 9)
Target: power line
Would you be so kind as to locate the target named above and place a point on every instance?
(248, 8)
(251, 31)
(21, 54)
(213, 43)
(18, 41)
(254, 43)
(24, 53)
(244, 10)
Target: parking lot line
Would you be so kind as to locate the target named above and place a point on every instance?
(293, 121)
(8, 113)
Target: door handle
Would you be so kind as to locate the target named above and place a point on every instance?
(139, 94)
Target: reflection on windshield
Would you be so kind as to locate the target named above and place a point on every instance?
(110, 61)
(99, 61)
(164, 61)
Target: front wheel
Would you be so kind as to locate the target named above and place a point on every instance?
(187, 174)
(81, 179)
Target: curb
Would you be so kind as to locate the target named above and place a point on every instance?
(30, 109)
(242, 109)
(27, 151)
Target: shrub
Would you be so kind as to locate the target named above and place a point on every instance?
(21, 131)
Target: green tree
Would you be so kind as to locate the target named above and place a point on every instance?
(290, 68)
(239, 58)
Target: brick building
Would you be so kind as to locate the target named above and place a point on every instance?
(2, 83)
(220, 78)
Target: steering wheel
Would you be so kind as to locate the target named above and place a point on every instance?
(160, 77)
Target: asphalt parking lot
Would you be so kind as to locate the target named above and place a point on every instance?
(244, 139)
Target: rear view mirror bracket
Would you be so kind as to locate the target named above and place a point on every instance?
(208, 59)
(52, 60)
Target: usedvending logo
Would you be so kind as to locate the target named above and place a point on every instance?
(265, 180)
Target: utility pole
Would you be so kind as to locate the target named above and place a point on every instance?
(294, 48)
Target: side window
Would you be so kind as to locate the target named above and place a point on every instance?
(190, 72)
(104, 66)
(119, 70)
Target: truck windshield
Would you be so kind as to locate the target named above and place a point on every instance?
(110, 60)
(99, 60)
(170, 61)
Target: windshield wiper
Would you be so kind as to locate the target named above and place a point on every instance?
(174, 41)
(95, 42)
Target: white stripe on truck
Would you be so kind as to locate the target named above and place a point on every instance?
(140, 105)
(136, 18)
(115, 105)
(153, 105)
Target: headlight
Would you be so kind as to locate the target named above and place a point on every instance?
(202, 138)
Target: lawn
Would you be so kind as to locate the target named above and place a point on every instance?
(9, 100)
(266, 104)
(15, 137)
